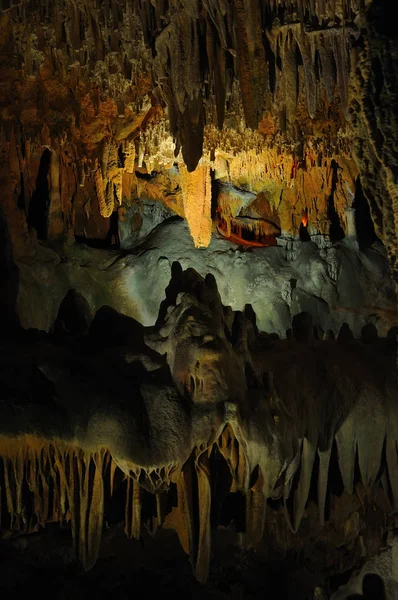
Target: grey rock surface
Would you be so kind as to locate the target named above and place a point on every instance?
(334, 285)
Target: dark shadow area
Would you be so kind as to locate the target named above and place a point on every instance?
(113, 233)
(336, 231)
(303, 233)
(98, 243)
(345, 334)
(233, 510)
(40, 202)
(9, 280)
(382, 16)
(215, 189)
(373, 587)
(74, 315)
(366, 234)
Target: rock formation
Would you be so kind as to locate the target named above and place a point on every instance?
(211, 386)
(281, 105)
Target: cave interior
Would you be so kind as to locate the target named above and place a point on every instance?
(198, 299)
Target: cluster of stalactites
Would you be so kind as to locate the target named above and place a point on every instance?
(45, 482)
(201, 47)
(64, 484)
(52, 482)
(282, 53)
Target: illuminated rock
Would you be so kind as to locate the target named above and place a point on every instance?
(196, 193)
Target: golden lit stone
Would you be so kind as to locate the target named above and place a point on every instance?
(196, 192)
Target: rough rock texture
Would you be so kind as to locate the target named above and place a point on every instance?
(92, 99)
(334, 283)
(374, 117)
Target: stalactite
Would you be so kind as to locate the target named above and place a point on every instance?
(340, 52)
(311, 87)
(202, 564)
(328, 64)
(161, 507)
(289, 65)
(106, 203)
(109, 180)
(186, 526)
(256, 508)
(85, 493)
(301, 495)
(112, 474)
(196, 190)
(57, 477)
(217, 66)
(324, 461)
(250, 58)
(95, 94)
(60, 476)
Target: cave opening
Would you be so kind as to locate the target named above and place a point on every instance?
(303, 233)
(40, 201)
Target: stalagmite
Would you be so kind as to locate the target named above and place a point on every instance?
(196, 190)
